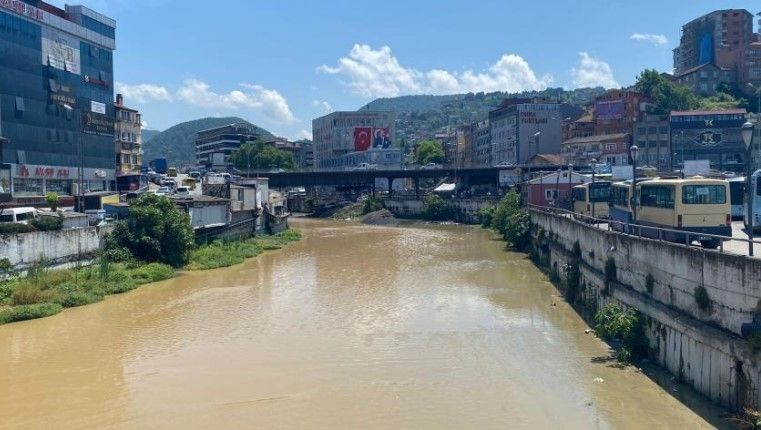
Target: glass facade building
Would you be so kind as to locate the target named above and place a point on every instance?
(56, 98)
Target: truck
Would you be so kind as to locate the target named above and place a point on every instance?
(160, 165)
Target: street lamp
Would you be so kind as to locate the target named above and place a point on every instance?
(557, 187)
(536, 144)
(80, 156)
(592, 162)
(747, 135)
(634, 150)
(570, 175)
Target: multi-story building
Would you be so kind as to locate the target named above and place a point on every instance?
(725, 40)
(617, 110)
(717, 38)
(610, 149)
(708, 135)
(464, 135)
(582, 127)
(128, 137)
(338, 135)
(481, 144)
(56, 99)
(215, 145)
(522, 128)
(652, 136)
(305, 156)
(706, 78)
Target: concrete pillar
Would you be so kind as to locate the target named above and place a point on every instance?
(390, 187)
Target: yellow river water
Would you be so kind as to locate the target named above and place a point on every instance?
(354, 327)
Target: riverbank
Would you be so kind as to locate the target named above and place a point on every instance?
(42, 292)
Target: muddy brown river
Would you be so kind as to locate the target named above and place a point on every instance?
(354, 327)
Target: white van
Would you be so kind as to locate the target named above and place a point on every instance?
(18, 215)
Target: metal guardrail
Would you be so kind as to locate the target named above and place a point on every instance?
(657, 233)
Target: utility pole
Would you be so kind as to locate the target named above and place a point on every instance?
(747, 135)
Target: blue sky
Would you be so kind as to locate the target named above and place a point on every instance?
(281, 63)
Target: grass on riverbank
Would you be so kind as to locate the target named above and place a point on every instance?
(224, 254)
(46, 292)
(43, 292)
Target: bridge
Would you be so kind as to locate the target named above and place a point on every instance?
(365, 179)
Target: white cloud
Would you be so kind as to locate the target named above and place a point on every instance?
(256, 97)
(323, 105)
(143, 93)
(655, 39)
(592, 72)
(304, 134)
(377, 73)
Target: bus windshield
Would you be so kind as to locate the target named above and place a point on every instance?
(704, 194)
(599, 192)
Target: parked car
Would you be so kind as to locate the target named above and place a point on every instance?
(431, 166)
(195, 175)
(505, 164)
(366, 166)
(182, 191)
(163, 191)
(18, 215)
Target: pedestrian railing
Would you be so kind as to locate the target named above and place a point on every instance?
(685, 238)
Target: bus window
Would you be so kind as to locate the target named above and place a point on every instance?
(657, 196)
(704, 194)
(736, 192)
(599, 192)
(579, 194)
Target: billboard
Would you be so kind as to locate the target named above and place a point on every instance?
(60, 50)
(381, 138)
(95, 123)
(612, 109)
(362, 138)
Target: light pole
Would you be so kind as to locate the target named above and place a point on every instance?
(634, 150)
(593, 162)
(747, 135)
(80, 155)
(570, 175)
(557, 187)
(536, 144)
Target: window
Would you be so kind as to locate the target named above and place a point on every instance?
(704, 194)
(657, 196)
(599, 191)
(27, 187)
(619, 196)
(550, 194)
(19, 105)
(60, 186)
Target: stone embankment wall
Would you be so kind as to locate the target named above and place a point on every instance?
(413, 207)
(699, 342)
(51, 247)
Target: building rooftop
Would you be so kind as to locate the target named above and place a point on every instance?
(707, 112)
(696, 68)
(597, 138)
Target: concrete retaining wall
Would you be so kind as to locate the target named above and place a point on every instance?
(703, 348)
(51, 247)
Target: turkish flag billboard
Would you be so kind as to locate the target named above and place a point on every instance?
(362, 138)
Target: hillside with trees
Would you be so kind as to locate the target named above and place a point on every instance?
(177, 143)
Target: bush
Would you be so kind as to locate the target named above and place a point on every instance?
(290, 235)
(436, 208)
(28, 312)
(76, 298)
(485, 216)
(15, 228)
(155, 231)
(48, 223)
(153, 272)
(509, 204)
(52, 200)
(518, 230)
(372, 204)
(31, 294)
(613, 323)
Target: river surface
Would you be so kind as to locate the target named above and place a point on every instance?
(354, 327)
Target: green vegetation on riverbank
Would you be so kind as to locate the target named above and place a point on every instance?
(224, 254)
(46, 292)
(511, 219)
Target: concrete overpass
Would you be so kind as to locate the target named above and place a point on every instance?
(366, 178)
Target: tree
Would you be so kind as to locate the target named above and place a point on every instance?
(436, 208)
(513, 221)
(259, 155)
(156, 230)
(52, 200)
(429, 151)
(665, 94)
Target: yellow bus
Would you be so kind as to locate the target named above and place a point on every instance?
(697, 205)
(586, 195)
(620, 206)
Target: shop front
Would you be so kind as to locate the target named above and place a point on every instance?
(29, 183)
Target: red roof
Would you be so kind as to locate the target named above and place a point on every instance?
(707, 112)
